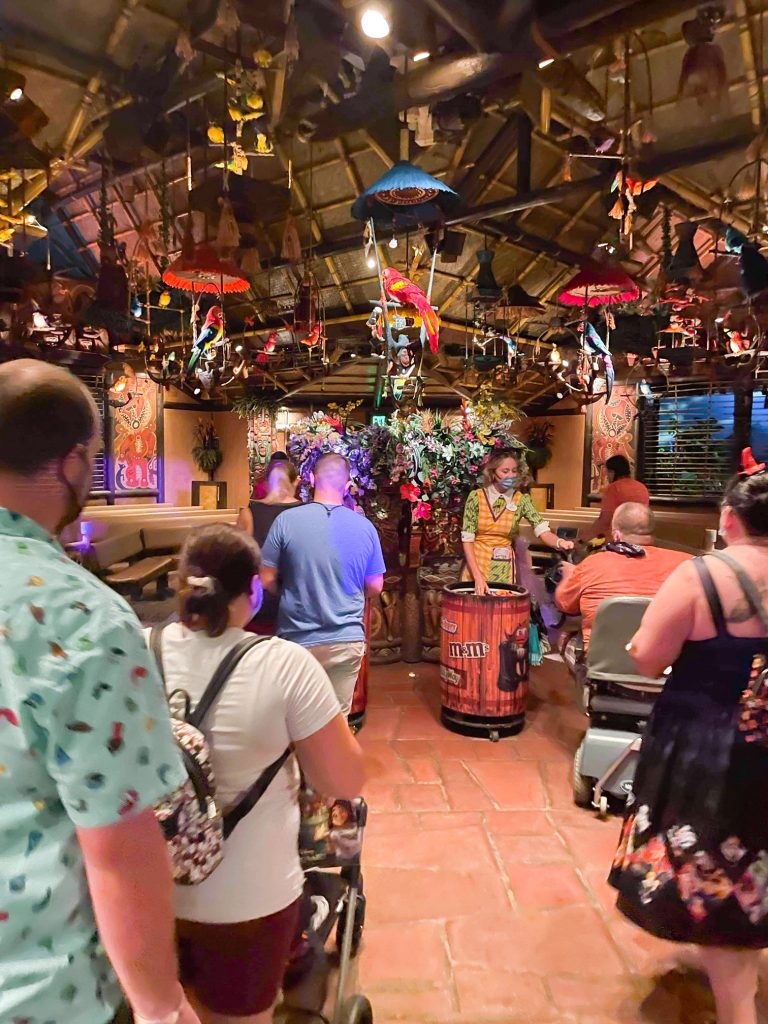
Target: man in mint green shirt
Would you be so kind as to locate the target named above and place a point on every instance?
(85, 743)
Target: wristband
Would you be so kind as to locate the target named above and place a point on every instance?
(170, 1018)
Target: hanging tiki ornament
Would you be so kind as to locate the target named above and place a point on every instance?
(703, 74)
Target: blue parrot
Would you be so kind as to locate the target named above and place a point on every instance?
(595, 345)
(735, 240)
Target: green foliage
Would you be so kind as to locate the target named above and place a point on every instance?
(539, 441)
(206, 451)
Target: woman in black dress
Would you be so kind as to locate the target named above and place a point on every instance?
(257, 519)
(692, 863)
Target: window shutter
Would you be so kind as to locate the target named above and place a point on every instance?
(687, 441)
(95, 384)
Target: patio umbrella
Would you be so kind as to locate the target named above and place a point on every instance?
(405, 197)
(598, 285)
(202, 270)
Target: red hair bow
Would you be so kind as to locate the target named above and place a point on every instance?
(748, 464)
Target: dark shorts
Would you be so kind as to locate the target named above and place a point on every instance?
(236, 969)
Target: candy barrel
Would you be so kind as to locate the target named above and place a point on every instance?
(356, 717)
(484, 660)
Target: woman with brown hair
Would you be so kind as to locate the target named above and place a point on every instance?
(235, 929)
(492, 516)
(257, 520)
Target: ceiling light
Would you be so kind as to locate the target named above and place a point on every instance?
(371, 263)
(719, 319)
(196, 391)
(545, 62)
(238, 348)
(374, 23)
(16, 94)
(421, 55)
(393, 242)
(353, 355)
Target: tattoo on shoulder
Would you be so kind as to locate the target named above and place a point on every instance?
(742, 610)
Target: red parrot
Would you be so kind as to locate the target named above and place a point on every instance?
(314, 337)
(271, 343)
(209, 337)
(402, 290)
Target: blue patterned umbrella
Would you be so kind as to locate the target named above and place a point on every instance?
(405, 197)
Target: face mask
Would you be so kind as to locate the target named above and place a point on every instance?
(507, 483)
(75, 504)
(257, 596)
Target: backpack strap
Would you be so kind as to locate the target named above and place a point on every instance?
(156, 646)
(251, 797)
(752, 594)
(225, 669)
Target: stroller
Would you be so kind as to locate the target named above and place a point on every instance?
(617, 702)
(331, 836)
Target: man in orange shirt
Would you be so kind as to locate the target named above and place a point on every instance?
(630, 565)
(621, 488)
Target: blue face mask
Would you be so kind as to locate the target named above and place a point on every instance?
(507, 483)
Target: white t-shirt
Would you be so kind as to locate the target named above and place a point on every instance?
(277, 694)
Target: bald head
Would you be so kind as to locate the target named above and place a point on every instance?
(331, 478)
(45, 412)
(633, 520)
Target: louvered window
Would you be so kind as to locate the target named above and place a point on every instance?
(688, 442)
(99, 481)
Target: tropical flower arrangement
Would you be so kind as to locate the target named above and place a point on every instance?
(434, 460)
(438, 461)
(364, 446)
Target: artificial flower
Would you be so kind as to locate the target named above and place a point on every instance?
(422, 510)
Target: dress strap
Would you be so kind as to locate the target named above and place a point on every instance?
(749, 589)
(713, 598)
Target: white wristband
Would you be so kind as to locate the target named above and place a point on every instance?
(170, 1018)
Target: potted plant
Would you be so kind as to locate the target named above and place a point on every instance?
(539, 441)
(207, 452)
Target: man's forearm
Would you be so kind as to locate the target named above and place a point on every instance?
(129, 878)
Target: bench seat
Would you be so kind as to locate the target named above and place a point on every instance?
(136, 576)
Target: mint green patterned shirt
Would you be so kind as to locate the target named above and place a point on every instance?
(84, 741)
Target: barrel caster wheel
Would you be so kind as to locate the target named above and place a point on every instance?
(493, 736)
(583, 785)
(356, 1010)
(357, 930)
(602, 810)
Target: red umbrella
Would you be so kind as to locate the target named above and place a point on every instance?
(204, 271)
(598, 285)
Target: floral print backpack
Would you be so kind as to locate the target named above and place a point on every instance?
(193, 824)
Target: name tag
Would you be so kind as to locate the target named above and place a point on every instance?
(501, 555)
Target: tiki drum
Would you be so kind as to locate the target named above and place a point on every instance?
(484, 660)
(356, 717)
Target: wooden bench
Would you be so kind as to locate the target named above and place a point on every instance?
(152, 569)
(122, 563)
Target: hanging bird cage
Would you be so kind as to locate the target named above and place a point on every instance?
(561, 356)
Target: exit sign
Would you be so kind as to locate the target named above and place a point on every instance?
(378, 421)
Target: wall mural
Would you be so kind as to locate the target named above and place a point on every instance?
(613, 433)
(134, 438)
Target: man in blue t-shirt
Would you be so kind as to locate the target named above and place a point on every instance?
(324, 560)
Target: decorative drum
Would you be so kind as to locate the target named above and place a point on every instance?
(484, 660)
(356, 717)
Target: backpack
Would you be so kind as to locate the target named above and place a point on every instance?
(193, 824)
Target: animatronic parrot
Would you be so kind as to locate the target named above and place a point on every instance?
(209, 337)
(402, 290)
(314, 337)
(595, 345)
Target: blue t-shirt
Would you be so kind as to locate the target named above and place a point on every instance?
(323, 554)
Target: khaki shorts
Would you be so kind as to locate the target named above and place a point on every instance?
(342, 663)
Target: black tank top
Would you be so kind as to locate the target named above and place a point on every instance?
(264, 514)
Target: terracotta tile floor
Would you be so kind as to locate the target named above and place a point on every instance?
(487, 899)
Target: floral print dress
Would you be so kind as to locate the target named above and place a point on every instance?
(692, 862)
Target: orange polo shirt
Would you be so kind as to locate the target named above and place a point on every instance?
(624, 489)
(608, 574)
